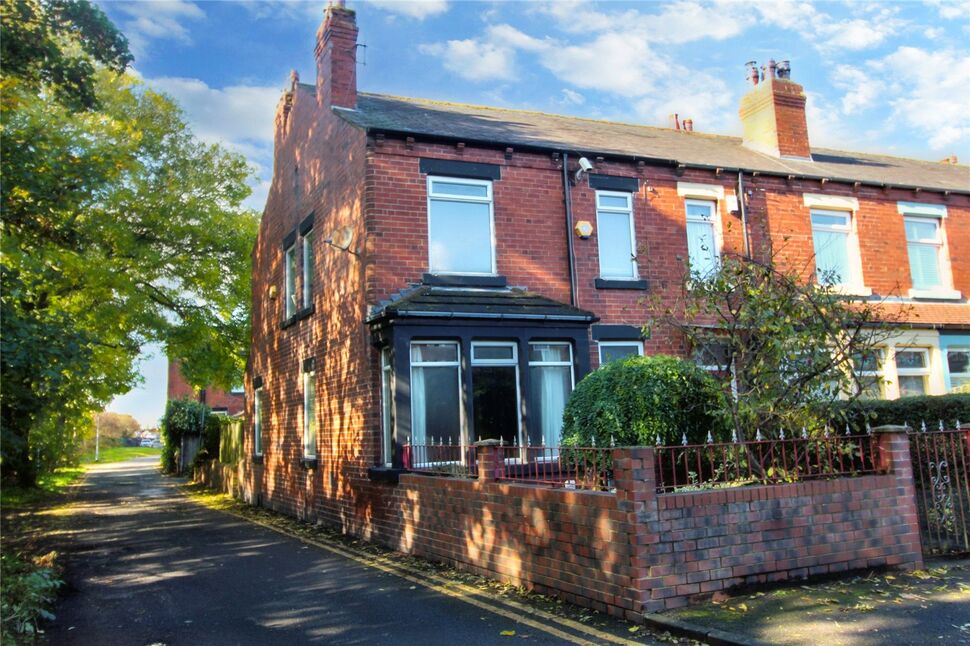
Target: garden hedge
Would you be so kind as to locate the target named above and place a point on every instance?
(911, 411)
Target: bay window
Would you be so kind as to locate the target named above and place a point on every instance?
(958, 366)
(495, 391)
(912, 371)
(551, 382)
(461, 228)
(435, 392)
(868, 370)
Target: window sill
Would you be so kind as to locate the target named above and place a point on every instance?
(308, 463)
(299, 316)
(257, 458)
(936, 294)
(615, 283)
(847, 290)
(388, 475)
(463, 280)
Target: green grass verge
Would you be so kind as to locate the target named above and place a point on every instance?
(120, 454)
(48, 486)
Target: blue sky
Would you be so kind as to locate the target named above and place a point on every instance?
(891, 77)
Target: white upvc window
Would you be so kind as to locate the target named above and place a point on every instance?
(289, 281)
(258, 422)
(461, 226)
(387, 406)
(616, 235)
(703, 250)
(308, 268)
(924, 244)
(835, 257)
(551, 381)
(868, 368)
(436, 414)
(309, 415)
(958, 366)
(613, 350)
(912, 371)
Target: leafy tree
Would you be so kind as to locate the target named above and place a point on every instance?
(786, 349)
(119, 228)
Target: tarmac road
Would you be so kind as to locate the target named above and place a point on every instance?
(146, 565)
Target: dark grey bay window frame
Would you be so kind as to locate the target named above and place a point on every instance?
(395, 341)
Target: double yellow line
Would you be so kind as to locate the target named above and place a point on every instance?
(518, 612)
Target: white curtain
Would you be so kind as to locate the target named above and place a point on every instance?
(550, 389)
(419, 409)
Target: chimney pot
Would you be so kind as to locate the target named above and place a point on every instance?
(752, 67)
(784, 70)
(689, 125)
(674, 121)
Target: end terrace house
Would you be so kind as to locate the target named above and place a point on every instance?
(436, 272)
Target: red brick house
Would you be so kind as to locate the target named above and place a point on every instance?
(220, 401)
(434, 270)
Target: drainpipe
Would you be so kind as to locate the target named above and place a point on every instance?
(570, 259)
(744, 218)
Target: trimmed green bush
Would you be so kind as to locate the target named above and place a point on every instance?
(638, 399)
(910, 411)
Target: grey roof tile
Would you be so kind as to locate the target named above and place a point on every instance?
(549, 131)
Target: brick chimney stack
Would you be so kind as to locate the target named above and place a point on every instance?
(773, 112)
(336, 54)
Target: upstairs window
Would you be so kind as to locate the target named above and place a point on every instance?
(831, 231)
(702, 251)
(289, 280)
(308, 268)
(924, 245)
(617, 242)
(461, 229)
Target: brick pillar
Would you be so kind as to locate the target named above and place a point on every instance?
(491, 465)
(894, 458)
(636, 499)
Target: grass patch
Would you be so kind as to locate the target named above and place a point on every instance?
(48, 486)
(121, 453)
(30, 586)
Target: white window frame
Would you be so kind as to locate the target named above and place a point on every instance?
(462, 431)
(601, 344)
(879, 372)
(628, 211)
(387, 406)
(714, 221)
(946, 363)
(307, 269)
(945, 289)
(309, 421)
(923, 372)
(507, 363)
(854, 283)
(258, 422)
(289, 278)
(488, 199)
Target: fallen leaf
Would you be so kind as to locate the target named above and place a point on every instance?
(507, 633)
(634, 629)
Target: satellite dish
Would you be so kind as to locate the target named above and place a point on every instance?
(342, 238)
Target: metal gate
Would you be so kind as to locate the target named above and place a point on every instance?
(941, 473)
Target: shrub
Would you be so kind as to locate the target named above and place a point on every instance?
(182, 417)
(211, 432)
(638, 399)
(910, 411)
(29, 588)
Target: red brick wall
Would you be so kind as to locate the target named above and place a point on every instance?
(179, 388)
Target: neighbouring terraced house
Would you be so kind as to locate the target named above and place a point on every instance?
(427, 269)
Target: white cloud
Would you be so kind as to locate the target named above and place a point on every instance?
(417, 9)
(929, 93)
(571, 97)
(474, 59)
(162, 20)
(870, 24)
(863, 88)
(240, 117)
(951, 10)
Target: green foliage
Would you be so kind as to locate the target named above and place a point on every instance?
(212, 431)
(784, 346)
(231, 442)
(182, 417)
(49, 485)
(911, 411)
(119, 228)
(29, 588)
(635, 400)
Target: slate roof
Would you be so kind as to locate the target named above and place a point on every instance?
(511, 303)
(480, 124)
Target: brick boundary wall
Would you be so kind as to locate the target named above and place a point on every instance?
(638, 551)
